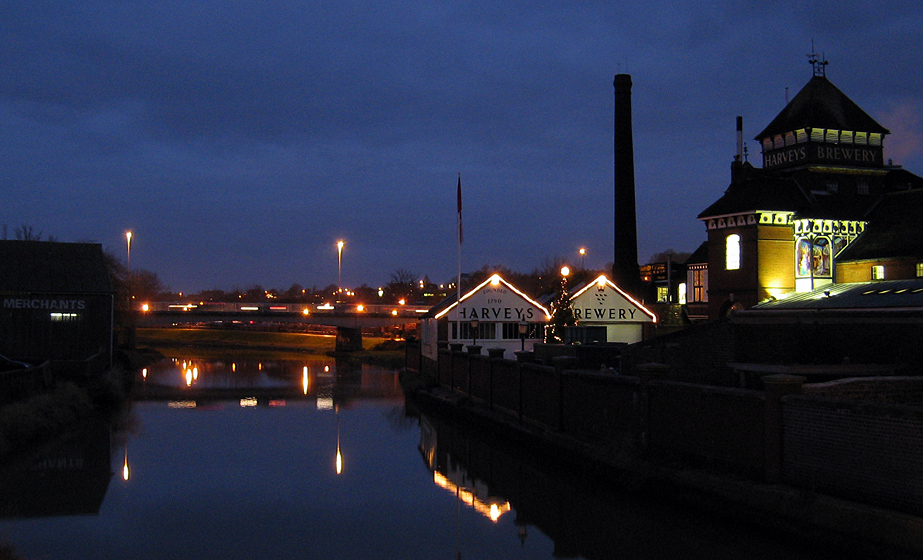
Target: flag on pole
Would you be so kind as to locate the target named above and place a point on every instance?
(461, 235)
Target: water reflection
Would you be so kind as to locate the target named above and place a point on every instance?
(69, 477)
(188, 382)
(585, 514)
(333, 469)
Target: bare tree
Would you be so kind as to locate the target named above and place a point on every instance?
(27, 233)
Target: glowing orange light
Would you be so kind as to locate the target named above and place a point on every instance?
(145, 307)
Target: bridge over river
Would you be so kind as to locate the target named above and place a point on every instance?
(349, 319)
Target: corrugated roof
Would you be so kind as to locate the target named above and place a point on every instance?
(888, 294)
(820, 104)
(51, 267)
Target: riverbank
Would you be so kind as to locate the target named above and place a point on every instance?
(851, 529)
(27, 426)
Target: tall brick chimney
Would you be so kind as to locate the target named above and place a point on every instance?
(625, 272)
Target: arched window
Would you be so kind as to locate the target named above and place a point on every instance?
(732, 252)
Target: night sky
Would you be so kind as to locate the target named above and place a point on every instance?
(240, 140)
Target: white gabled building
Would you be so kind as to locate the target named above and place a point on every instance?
(601, 303)
(494, 314)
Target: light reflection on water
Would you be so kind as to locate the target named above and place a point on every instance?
(341, 470)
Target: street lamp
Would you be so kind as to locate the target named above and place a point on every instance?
(340, 244)
(474, 332)
(582, 252)
(523, 327)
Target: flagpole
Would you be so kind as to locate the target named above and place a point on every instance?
(458, 280)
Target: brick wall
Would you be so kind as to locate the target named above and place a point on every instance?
(600, 408)
(540, 395)
(699, 354)
(713, 425)
(860, 451)
(505, 379)
(886, 390)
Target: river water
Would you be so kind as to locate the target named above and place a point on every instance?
(261, 458)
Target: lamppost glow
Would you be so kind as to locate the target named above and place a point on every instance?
(582, 252)
(128, 239)
(340, 245)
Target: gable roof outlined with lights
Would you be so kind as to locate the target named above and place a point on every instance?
(494, 299)
(601, 301)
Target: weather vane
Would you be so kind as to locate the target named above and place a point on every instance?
(817, 63)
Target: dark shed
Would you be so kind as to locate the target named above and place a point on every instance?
(56, 301)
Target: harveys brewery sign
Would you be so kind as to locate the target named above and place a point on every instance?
(602, 303)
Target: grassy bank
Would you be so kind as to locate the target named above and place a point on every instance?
(221, 343)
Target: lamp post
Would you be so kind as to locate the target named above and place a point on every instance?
(474, 333)
(582, 252)
(340, 245)
(523, 327)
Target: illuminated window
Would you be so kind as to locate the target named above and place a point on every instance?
(699, 278)
(64, 317)
(682, 293)
(878, 272)
(919, 270)
(662, 293)
(732, 252)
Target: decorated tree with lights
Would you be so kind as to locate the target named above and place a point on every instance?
(562, 313)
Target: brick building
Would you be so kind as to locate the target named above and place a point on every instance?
(780, 228)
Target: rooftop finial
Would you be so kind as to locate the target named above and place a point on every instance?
(817, 62)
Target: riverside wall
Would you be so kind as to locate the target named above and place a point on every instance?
(813, 439)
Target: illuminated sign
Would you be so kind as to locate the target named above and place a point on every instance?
(603, 302)
(496, 300)
(837, 154)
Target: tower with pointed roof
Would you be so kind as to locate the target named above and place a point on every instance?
(778, 229)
